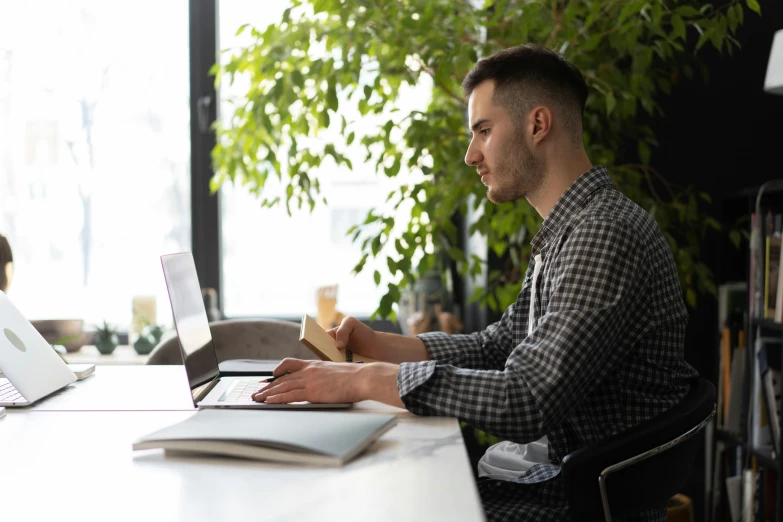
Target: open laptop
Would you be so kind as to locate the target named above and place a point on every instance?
(31, 367)
(209, 386)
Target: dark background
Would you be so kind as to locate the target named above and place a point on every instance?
(722, 137)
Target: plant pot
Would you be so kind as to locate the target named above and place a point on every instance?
(144, 345)
(107, 346)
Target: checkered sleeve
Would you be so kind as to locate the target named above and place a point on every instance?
(596, 312)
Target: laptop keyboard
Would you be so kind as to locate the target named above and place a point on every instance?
(243, 390)
(8, 393)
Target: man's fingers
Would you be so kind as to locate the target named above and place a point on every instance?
(332, 333)
(276, 388)
(344, 332)
(286, 397)
(288, 365)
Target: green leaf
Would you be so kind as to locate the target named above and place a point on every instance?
(687, 11)
(732, 17)
(704, 38)
(297, 78)
(690, 297)
(644, 152)
(754, 6)
(712, 223)
(611, 103)
(678, 27)
(321, 5)
(735, 237)
(377, 277)
(350, 139)
(719, 32)
(376, 245)
(331, 97)
(591, 43)
(626, 11)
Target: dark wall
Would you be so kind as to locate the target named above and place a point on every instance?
(721, 137)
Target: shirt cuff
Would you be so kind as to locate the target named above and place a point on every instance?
(412, 375)
(441, 347)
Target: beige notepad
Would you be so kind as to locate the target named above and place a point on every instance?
(322, 344)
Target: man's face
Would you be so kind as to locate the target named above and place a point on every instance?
(498, 149)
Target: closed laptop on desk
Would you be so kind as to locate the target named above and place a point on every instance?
(32, 368)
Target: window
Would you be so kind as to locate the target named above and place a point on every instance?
(273, 264)
(94, 154)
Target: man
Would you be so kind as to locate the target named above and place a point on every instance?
(594, 343)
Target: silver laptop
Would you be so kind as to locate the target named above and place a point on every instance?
(31, 368)
(209, 387)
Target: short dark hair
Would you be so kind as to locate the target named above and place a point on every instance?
(529, 75)
(5, 257)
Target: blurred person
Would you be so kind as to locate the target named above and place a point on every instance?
(6, 264)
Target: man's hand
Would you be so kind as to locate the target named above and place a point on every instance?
(356, 336)
(382, 346)
(328, 382)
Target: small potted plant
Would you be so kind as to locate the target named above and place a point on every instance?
(148, 339)
(106, 339)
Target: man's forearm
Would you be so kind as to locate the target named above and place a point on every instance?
(398, 348)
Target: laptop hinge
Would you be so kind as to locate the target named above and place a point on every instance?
(205, 389)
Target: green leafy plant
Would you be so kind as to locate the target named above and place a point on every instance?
(66, 339)
(328, 56)
(59, 344)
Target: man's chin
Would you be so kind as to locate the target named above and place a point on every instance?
(499, 197)
(496, 196)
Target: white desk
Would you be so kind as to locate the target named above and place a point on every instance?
(77, 465)
(118, 388)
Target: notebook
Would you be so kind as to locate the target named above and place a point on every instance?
(297, 437)
(323, 346)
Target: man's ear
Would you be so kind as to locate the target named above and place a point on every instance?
(540, 122)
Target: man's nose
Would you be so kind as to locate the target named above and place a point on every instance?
(473, 157)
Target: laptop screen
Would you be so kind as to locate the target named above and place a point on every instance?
(190, 318)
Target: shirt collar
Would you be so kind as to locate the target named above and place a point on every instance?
(574, 198)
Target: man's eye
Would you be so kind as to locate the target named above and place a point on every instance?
(484, 132)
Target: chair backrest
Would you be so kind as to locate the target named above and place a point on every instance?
(242, 339)
(648, 483)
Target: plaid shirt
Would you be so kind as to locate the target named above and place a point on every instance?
(606, 352)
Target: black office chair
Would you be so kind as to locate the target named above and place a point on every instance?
(640, 468)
